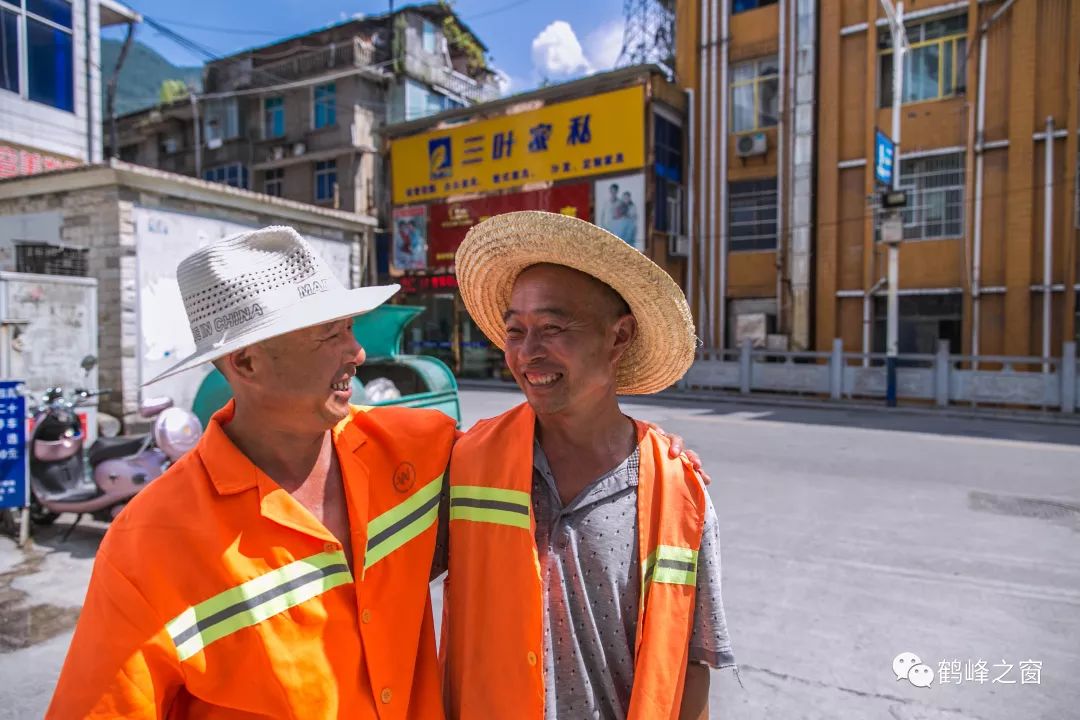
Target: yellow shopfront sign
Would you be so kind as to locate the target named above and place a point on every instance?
(591, 136)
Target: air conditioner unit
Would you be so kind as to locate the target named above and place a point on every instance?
(299, 149)
(678, 245)
(750, 145)
(279, 152)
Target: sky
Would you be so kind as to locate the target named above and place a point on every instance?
(528, 40)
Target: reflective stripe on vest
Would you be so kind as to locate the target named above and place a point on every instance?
(399, 525)
(491, 505)
(256, 600)
(670, 564)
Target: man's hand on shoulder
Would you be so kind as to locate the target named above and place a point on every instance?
(678, 448)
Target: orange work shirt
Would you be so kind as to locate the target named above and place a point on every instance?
(216, 594)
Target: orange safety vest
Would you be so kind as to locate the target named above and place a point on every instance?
(495, 614)
(216, 594)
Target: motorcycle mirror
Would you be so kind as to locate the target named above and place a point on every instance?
(88, 363)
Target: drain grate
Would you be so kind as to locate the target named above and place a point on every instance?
(1023, 507)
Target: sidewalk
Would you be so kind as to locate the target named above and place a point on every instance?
(721, 397)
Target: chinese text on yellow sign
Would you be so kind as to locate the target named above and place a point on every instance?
(591, 136)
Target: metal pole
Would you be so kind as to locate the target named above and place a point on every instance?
(1048, 242)
(198, 131)
(892, 321)
(24, 527)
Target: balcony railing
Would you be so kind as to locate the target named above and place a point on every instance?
(444, 77)
(337, 56)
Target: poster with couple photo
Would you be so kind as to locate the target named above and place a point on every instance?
(620, 207)
(409, 240)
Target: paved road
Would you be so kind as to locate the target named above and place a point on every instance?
(849, 537)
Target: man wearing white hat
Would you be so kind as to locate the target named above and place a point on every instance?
(281, 568)
(584, 561)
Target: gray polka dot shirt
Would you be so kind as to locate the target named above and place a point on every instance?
(588, 554)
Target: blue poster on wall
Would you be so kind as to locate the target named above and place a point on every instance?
(13, 462)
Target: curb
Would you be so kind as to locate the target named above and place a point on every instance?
(729, 398)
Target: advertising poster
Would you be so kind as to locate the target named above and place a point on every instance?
(620, 207)
(410, 246)
(596, 135)
(450, 221)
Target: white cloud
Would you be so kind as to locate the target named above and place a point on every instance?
(557, 54)
(504, 81)
(603, 45)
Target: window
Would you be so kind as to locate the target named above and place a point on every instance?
(233, 174)
(738, 6)
(274, 181)
(430, 37)
(46, 54)
(755, 87)
(924, 319)
(752, 215)
(325, 102)
(9, 50)
(171, 144)
(935, 187)
(668, 151)
(935, 67)
(325, 180)
(221, 121)
(273, 117)
(422, 101)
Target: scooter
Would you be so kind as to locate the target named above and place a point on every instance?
(119, 466)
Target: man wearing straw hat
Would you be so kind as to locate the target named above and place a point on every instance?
(281, 568)
(584, 562)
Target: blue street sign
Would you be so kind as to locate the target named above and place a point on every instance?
(884, 156)
(13, 460)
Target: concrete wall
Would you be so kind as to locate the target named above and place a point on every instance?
(103, 219)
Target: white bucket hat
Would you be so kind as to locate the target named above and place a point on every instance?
(258, 285)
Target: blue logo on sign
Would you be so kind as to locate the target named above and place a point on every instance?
(440, 158)
(884, 156)
(13, 473)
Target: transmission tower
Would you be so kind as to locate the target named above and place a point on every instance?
(649, 32)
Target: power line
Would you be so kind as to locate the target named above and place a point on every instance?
(218, 29)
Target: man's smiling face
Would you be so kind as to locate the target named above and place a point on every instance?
(565, 333)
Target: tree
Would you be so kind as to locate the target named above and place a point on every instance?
(172, 90)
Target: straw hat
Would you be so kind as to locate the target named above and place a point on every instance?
(257, 285)
(495, 252)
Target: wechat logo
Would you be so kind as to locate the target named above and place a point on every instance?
(908, 666)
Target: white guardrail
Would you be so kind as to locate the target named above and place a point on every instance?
(1051, 383)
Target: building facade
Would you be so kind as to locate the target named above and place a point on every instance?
(131, 226)
(789, 98)
(50, 82)
(300, 118)
(608, 148)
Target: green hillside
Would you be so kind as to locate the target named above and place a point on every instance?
(140, 79)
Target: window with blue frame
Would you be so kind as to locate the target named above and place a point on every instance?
(325, 180)
(668, 170)
(325, 101)
(738, 6)
(47, 51)
(233, 174)
(273, 117)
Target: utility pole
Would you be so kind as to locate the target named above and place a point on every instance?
(892, 226)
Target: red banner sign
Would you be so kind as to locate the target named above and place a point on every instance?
(427, 283)
(448, 222)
